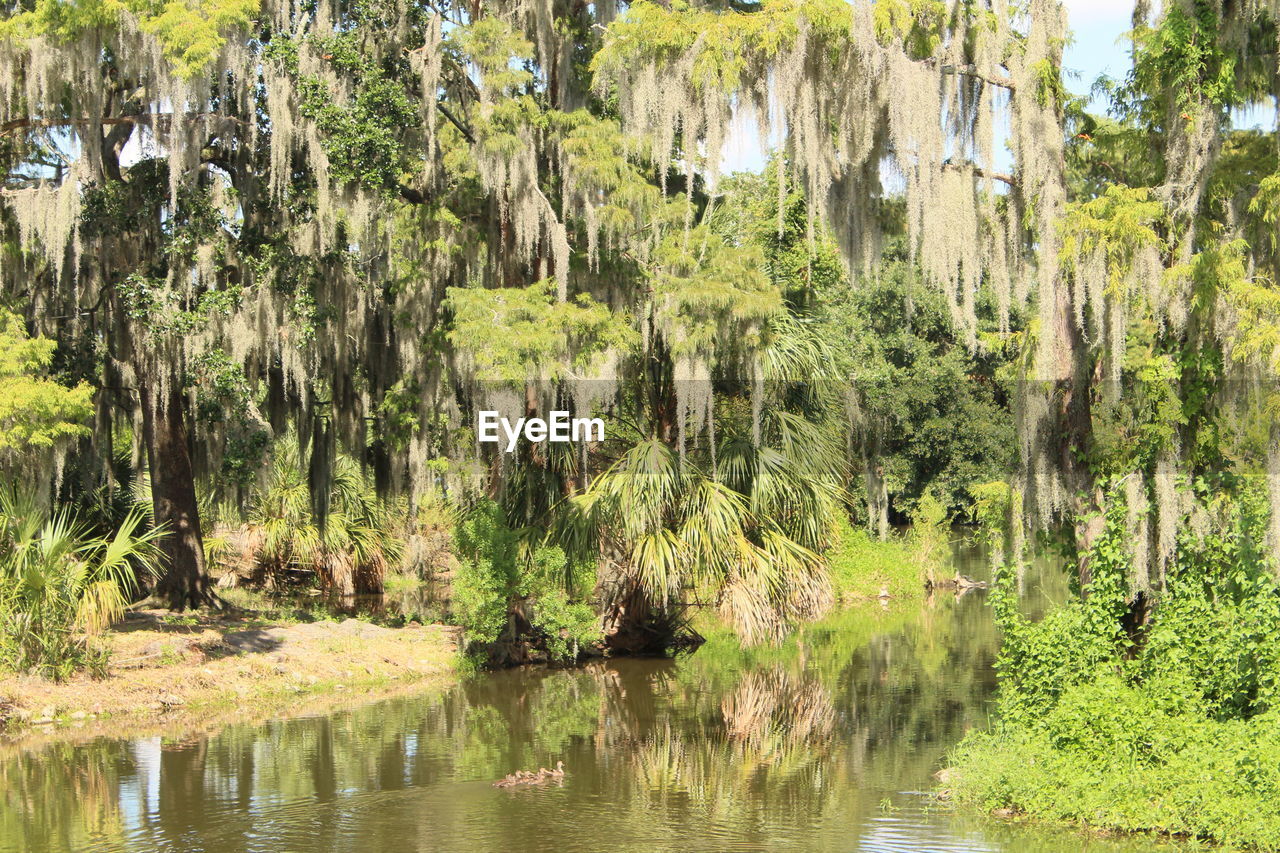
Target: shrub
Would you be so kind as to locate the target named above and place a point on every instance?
(59, 584)
(350, 551)
(505, 584)
(1113, 756)
(1170, 728)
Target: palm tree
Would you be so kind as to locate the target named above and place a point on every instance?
(60, 584)
(748, 534)
(739, 518)
(350, 548)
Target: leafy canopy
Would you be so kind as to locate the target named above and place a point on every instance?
(37, 414)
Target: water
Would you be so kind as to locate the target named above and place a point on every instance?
(827, 743)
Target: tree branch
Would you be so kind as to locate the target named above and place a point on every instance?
(17, 124)
(144, 118)
(979, 172)
(411, 195)
(454, 121)
(1002, 80)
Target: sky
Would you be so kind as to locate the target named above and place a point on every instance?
(1097, 46)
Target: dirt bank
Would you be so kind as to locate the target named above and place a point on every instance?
(185, 674)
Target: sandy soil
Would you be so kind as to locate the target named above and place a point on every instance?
(176, 675)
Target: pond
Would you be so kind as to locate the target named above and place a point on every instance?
(829, 742)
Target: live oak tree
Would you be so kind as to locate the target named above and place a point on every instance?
(1168, 240)
(367, 219)
(242, 216)
(236, 217)
(926, 92)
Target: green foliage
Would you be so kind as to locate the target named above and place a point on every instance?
(925, 399)
(1214, 643)
(712, 297)
(224, 397)
(992, 503)
(191, 34)
(503, 581)
(164, 310)
(730, 47)
(748, 535)
(1107, 150)
(800, 255)
(1114, 756)
(489, 552)
(361, 137)
(1118, 224)
(514, 334)
(1257, 298)
(1038, 660)
(1267, 202)
(60, 584)
(930, 536)
(350, 548)
(862, 567)
(902, 566)
(37, 414)
(1172, 729)
(933, 406)
(1183, 59)
(917, 23)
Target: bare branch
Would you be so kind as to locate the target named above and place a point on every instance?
(1001, 80)
(979, 172)
(411, 195)
(466, 133)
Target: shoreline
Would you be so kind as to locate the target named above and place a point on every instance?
(175, 674)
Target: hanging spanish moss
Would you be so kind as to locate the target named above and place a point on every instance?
(365, 222)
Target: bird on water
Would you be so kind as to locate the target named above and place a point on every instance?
(531, 777)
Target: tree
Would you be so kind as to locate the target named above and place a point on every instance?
(924, 408)
(285, 217)
(204, 216)
(38, 416)
(1084, 267)
(319, 218)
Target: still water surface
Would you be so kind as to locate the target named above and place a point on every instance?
(827, 743)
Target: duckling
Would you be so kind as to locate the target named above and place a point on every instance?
(520, 777)
(529, 777)
(546, 775)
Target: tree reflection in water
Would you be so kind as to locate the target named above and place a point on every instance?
(795, 746)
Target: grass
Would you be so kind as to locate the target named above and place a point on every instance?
(266, 609)
(862, 567)
(398, 584)
(215, 683)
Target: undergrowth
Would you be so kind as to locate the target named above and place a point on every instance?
(1173, 728)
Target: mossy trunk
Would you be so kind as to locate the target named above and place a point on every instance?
(185, 583)
(632, 623)
(877, 488)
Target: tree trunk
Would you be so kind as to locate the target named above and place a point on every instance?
(631, 623)
(877, 488)
(1076, 430)
(173, 499)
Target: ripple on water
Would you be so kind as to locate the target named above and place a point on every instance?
(795, 747)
